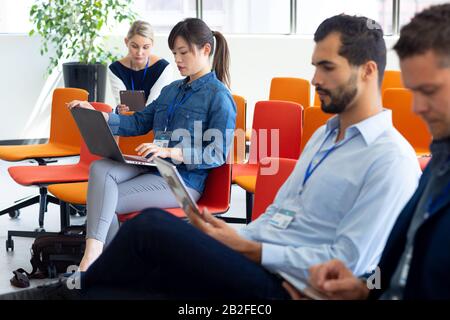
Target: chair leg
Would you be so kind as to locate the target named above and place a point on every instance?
(64, 214)
(42, 206)
(248, 206)
(23, 234)
(43, 199)
(25, 202)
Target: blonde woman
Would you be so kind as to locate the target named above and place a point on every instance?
(140, 69)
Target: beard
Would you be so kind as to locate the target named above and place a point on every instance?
(340, 97)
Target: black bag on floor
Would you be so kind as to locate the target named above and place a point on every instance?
(52, 254)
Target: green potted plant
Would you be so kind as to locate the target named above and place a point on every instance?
(74, 30)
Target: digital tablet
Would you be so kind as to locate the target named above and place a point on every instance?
(134, 99)
(310, 292)
(314, 294)
(170, 173)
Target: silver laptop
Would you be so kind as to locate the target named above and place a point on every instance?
(170, 173)
(99, 139)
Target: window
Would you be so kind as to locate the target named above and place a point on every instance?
(248, 16)
(238, 16)
(164, 14)
(310, 13)
(408, 8)
(14, 16)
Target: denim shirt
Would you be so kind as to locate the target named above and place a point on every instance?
(209, 105)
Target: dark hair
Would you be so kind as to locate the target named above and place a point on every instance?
(361, 40)
(195, 32)
(429, 29)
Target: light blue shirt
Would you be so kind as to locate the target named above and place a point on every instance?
(349, 204)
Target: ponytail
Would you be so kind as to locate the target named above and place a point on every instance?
(221, 60)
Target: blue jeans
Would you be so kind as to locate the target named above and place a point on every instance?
(157, 255)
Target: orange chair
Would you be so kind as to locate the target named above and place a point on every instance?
(64, 141)
(279, 115)
(239, 139)
(42, 176)
(314, 118)
(216, 196)
(392, 79)
(64, 137)
(411, 126)
(267, 186)
(73, 193)
(289, 89)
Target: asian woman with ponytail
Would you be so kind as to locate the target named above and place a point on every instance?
(190, 106)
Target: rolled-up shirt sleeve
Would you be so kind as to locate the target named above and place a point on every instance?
(114, 123)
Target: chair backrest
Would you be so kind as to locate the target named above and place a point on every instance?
(267, 186)
(392, 79)
(63, 129)
(217, 193)
(86, 157)
(241, 118)
(291, 89)
(269, 118)
(313, 119)
(410, 125)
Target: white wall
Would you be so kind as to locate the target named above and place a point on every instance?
(26, 94)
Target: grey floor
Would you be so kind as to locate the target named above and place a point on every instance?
(28, 220)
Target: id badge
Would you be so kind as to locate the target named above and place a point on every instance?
(282, 218)
(162, 139)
